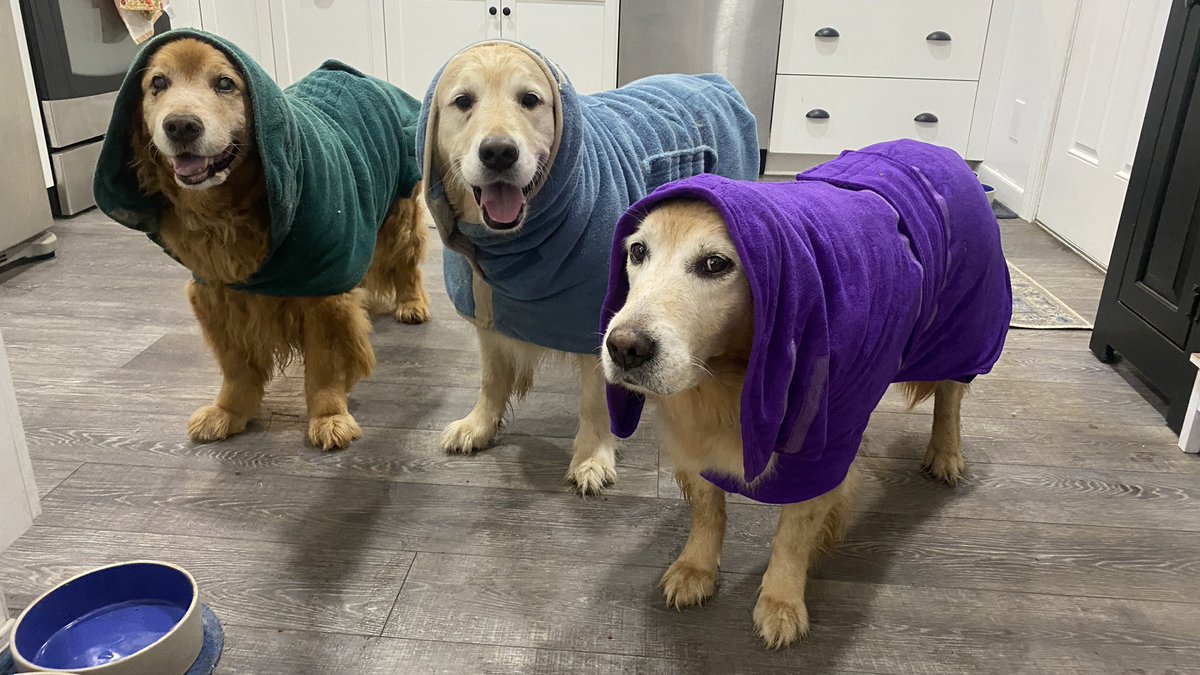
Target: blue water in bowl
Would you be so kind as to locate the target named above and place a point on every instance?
(109, 633)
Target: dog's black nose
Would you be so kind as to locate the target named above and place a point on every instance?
(498, 152)
(630, 348)
(183, 128)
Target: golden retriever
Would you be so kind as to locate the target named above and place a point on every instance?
(694, 372)
(193, 143)
(494, 135)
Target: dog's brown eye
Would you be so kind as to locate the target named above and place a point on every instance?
(531, 100)
(224, 84)
(464, 102)
(158, 83)
(637, 252)
(714, 266)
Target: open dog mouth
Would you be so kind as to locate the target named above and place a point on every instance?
(195, 169)
(502, 204)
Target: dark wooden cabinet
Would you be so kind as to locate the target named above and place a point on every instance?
(1151, 302)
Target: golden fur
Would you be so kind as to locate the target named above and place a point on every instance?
(496, 77)
(221, 232)
(703, 329)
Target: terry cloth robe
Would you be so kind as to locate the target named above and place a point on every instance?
(337, 150)
(881, 266)
(544, 283)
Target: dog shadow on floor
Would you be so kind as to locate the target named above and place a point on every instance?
(885, 531)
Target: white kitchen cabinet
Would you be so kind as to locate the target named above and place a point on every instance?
(245, 23)
(308, 32)
(869, 69)
(424, 34)
(932, 39)
(579, 35)
(825, 115)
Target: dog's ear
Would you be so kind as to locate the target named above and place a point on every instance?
(144, 153)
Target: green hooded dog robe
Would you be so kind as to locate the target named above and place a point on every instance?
(337, 147)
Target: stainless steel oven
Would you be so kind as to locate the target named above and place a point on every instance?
(80, 50)
(735, 38)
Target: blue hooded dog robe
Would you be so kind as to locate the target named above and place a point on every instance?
(544, 283)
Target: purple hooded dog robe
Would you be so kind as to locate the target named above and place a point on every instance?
(883, 265)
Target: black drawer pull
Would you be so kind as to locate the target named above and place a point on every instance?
(926, 118)
(938, 36)
(817, 114)
(828, 32)
(507, 11)
(492, 11)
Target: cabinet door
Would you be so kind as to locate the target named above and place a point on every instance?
(1162, 271)
(246, 23)
(308, 32)
(424, 34)
(579, 35)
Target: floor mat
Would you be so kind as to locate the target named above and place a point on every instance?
(1036, 307)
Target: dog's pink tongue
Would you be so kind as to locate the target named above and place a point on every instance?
(502, 201)
(187, 165)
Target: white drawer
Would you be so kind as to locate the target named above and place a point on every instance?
(865, 110)
(885, 38)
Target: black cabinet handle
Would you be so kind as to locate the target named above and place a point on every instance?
(927, 118)
(817, 114)
(938, 36)
(507, 11)
(828, 32)
(492, 11)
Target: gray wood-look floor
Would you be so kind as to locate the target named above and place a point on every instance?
(1073, 547)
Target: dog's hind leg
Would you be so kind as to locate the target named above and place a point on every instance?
(506, 370)
(692, 578)
(337, 353)
(943, 457)
(245, 362)
(594, 463)
(412, 241)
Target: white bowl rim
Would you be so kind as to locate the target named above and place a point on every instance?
(24, 662)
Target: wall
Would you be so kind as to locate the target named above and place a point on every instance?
(1034, 61)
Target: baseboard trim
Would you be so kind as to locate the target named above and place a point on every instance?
(1008, 192)
(1066, 242)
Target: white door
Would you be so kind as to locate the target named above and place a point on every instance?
(579, 35)
(424, 34)
(245, 23)
(1111, 67)
(308, 32)
(18, 494)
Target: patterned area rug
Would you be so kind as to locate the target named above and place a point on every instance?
(1036, 307)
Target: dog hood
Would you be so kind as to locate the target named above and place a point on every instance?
(544, 283)
(881, 266)
(337, 147)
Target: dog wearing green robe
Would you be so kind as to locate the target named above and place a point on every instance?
(297, 210)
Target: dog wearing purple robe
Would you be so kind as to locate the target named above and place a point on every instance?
(767, 320)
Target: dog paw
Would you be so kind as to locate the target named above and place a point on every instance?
(944, 465)
(591, 475)
(468, 435)
(413, 312)
(779, 622)
(686, 584)
(333, 432)
(213, 423)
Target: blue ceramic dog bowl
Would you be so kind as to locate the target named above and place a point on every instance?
(134, 618)
(989, 192)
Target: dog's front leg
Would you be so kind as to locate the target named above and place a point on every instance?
(594, 464)
(337, 353)
(499, 371)
(805, 529)
(245, 369)
(692, 578)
